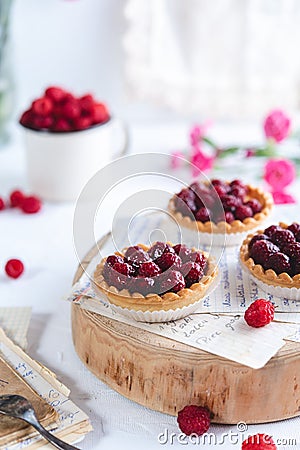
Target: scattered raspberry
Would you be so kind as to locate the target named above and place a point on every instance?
(14, 268)
(168, 260)
(158, 249)
(242, 212)
(149, 269)
(255, 205)
(257, 237)
(259, 313)
(192, 273)
(16, 199)
(172, 281)
(202, 215)
(282, 237)
(113, 259)
(259, 442)
(143, 286)
(86, 103)
(2, 204)
(279, 262)
(26, 118)
(100, 113)
(124, 268)
(182, 250)
(194, 419)
(271, 230)
(31, 205)
(262, 250)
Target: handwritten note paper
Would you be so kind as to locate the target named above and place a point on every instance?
(15, 322)
(73, 423)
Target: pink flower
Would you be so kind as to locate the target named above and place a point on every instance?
(277, 125)
(279, 173)
(249, 152)
(198, 132)
(282, 198)
(176, 159)
(201, 162)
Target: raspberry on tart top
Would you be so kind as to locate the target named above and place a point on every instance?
(160, 277)
(221, 206)
(273, 255)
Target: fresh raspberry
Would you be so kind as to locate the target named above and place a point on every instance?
(202, 215)
(292, 250)
(221, 190)
(262, 250)
(271, 230)
(229, 217)
(182, 250)
(237, 183)
(124, 268)
(168, 260)
(31, 205)
(87, 103)
(143, 286)
(282, 237)
(239, 192)
(192, 273)
(107, 272)
(172, 281)
(197, 257)
(27, 118)
(185, 202)
(14, 268)
(194, 419)
(71, 110)
(157, 249)
(259, 442)
(279, 262)
(230, 203)
(16, 199)
(119, 280)
(242, 212)
(40, 122)
(56, 94)
(255, 205)
(294, 228)
(136, 256)
(257, 237)
(113, 259)
(2, 204)
(42, 106)
(216, 182)
(206, 198)
(82, 123)
(149, 269)
(99, 113)
(259, 313)
(61, 125)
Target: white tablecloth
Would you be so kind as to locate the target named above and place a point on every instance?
(44, 243)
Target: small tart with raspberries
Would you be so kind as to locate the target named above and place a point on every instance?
(272, 257)
(221, 206)
(162, 277)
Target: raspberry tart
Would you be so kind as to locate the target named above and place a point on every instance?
(221, 208)
(272, 257)
(155, 284)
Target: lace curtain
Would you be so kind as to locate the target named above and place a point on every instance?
(221, 58)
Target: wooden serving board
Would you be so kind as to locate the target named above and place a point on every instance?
(165, 375)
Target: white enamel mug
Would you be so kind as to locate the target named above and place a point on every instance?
(60, 164)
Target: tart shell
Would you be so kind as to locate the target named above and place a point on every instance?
(237, 226)
(176, 304)
(282, 285)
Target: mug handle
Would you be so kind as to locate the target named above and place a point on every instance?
(123, 129)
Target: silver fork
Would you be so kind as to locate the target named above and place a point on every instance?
(20, 408)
